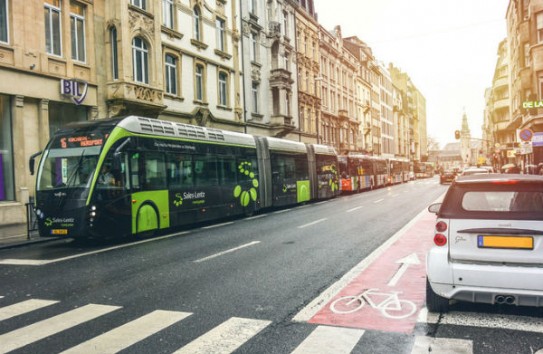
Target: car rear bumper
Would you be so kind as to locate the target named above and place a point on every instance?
(484, 283)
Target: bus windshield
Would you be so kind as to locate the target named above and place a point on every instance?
(70, 161)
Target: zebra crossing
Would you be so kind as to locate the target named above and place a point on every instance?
(224, 338)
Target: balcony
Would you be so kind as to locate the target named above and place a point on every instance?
(281, 125)
(274, 29)
(281, 78)
(129, 97)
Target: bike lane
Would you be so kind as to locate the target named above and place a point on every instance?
(393, 285)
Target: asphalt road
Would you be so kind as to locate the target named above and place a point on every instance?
(243, 278)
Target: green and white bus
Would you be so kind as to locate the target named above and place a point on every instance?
(138, 176)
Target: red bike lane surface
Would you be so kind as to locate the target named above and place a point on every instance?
(399, 271)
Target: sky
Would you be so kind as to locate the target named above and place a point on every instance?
(448, 49)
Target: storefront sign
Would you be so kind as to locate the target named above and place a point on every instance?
(532, 104)
(537, 139)
(76, 89)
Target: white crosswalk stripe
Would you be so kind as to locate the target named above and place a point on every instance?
(39, 330)
(325, 339)
(23, 307)
(129, 333)
(226, 337)
(425, 345)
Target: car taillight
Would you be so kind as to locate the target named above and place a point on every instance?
(441, 226)
(440, 240)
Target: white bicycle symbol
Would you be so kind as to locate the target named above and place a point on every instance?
(391, 306)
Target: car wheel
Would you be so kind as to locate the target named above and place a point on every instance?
(434, 302)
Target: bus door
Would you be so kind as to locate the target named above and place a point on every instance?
(290, 178)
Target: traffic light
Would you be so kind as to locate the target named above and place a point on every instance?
(457, 134)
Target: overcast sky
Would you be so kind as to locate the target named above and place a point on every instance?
(448, 48)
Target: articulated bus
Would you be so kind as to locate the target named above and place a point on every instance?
(136, 176)
(360, 172)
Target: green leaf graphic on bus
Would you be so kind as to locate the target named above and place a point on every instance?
(178, 201)
(48, 222)
(245, 196)
(334, 181)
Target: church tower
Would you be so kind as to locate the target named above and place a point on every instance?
(465, 138)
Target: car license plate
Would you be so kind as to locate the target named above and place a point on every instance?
(511, 242)
(59, 232)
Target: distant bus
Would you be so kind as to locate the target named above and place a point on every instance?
(398, 170)
(360, 172)
(161, 175)
(423, 169)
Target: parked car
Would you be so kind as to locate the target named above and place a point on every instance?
(447, 176)
(488, 242)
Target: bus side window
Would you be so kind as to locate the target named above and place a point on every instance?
(135, 171)
(228, 170)
(155, 171)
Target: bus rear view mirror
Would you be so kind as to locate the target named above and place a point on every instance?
(31, 162)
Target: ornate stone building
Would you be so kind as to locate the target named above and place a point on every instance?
(309, 79)
(339, 125)
(269, 68)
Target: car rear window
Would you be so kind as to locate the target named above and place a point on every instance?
(503, 201)
(518, 201)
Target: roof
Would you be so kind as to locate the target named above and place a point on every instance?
(498, 177)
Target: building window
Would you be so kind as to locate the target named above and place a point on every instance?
(199, 82)
(53, 37)
(223, 88)
(171, 74)
(7, 183)
(197, 18)
(140, 57)
(252, 7)
(114, 54)
(526, 54)
(139, 3)
(285, 23)
(167, 13)
(254, 92)
(77, 31)
(4, 21)
(221, 35)
(539, 18)
(253, 47)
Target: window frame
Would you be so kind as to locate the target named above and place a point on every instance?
(197, 24)
(220, 26)
(140, 4)
(114, 53)
(255, 88)
(73, 26)
(49, 35)
(143, 52)
(170, 71)
(168, 14)
(199, 82)
(4, 21)
(223, 92)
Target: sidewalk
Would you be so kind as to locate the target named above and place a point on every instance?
(16, 235)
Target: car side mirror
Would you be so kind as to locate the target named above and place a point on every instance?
(434, 208)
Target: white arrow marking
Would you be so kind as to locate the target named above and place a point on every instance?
(406, 262)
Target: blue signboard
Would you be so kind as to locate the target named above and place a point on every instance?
(537, 139)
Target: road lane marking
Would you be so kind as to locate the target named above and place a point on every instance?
(281, 211)
(425, 345)
(355, 208)
(23, 307)
(225, 338)
(316, 305)
(378, 201)
(485, 320)
(312, 223)
(23, 336)
(325, 339)
(37, 262)
(128, 334)
(225, 252)
(256, 217)
(218, 225)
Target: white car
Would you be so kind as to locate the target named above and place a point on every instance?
(488, 242)
(475, 171)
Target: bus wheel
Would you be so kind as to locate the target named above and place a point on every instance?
(147, 221)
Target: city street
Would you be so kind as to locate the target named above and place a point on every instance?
(270, 283)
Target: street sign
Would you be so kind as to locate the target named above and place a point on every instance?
(526, 134)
